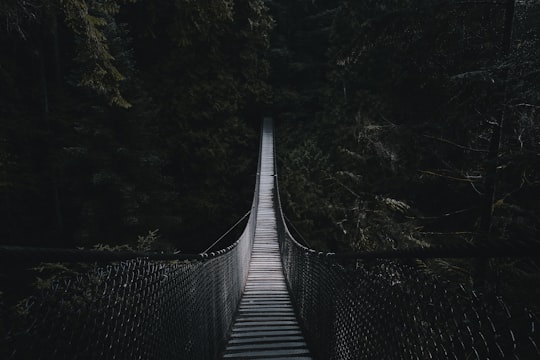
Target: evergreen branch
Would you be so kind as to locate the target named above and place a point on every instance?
(446, 141)
(526, 105)
(345, 187)
(476, 189)
(492, 122)
(427, 172)
(440, 216)
(501, 3)
(449, 233)
(512, 192)
(386, 119)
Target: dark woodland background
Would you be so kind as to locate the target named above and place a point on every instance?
(400, 123)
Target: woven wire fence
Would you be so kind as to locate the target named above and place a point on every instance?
(140, 306)
(387, 309)
(176, 307)
(143, 308)
(136, 309)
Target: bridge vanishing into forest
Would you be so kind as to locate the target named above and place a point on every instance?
(264, 297)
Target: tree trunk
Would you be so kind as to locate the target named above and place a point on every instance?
(57, 61)
(490, 182)
(58, 218)
(44, 88)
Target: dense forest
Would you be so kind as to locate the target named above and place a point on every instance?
(412, 123)
(400, 123)
(119, 118)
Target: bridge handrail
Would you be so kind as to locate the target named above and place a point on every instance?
(379, 305)
(142, 305)
(66, 255)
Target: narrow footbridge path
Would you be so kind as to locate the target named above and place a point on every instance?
(266, 296)
(266, 325)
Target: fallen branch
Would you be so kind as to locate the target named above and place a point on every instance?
(427, 172)
(446, 141)
(441, 216)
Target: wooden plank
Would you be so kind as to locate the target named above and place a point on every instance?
(266, 325)
(266, 307)
(269, 346)
(264, 328)
(267, 333)
(260, 353)
(263, 339)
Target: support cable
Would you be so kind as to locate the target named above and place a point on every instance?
(23, 254)
(227, 232)
(296, 230)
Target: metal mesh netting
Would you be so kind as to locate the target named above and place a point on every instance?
(349, 309)
(144, 308)
(137, 309)
(387, 309)
(384, 308)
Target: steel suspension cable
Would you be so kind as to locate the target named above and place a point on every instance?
(380, 305)
(227, 232)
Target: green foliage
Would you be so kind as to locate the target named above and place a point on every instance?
(404, 113)
(124, 116)
(49, 273)
(89, 22)
(146, 242)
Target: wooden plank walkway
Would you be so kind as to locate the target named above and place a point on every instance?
(266, 326)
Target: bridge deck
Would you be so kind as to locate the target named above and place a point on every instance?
(266, 326)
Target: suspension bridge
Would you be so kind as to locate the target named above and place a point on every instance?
(264, 297)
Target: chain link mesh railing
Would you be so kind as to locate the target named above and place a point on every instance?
(182, 306)
(387, 309)
(140, 306)
(383, 308)
(136, 309)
